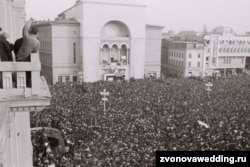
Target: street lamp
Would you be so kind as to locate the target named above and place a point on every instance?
(104, 99)
(81, 76)
(208, 88)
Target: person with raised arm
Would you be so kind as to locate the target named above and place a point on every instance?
(30, 43)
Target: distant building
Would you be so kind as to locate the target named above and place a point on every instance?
(60, 50)
(168, 35)
(182, 58)
(106, 43)
(225, 54)
(223, 31)
(222, 55)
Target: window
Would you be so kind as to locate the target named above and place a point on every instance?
(190, 55)
(199, 55)
(152, 74)
(63, 78)
(74, 52)
(189, 64)
(74, 78)
(198, 64)
(207, 58)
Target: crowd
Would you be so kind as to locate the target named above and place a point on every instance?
(143, 116)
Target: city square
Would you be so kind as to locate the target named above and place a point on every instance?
(109, 82)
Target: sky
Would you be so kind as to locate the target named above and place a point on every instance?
(174, 15)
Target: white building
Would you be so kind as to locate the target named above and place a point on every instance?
(182, 58)
(222, 55)
(110, 36)
(225, 54)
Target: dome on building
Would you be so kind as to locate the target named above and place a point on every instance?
(115, 29)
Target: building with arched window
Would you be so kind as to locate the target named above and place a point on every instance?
(111, 39)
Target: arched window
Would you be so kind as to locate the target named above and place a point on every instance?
(105, 55)
(115, 54)
(124, 55)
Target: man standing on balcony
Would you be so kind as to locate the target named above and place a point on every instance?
(5, 50)
(30, 43)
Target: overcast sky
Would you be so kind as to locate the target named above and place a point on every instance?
(174, 15)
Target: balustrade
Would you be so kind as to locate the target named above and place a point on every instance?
(17, 77)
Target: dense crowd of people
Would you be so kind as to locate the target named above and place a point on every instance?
(142, 116)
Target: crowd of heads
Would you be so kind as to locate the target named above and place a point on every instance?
(143, 116)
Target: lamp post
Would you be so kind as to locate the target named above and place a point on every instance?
(208, 88)
(81, 76)
(104, 99)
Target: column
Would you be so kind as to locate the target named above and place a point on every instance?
(127, 56)
(110, 54)
(101, 55)
(7, 80)
(35, 82)
(119, 55)
(21, 80)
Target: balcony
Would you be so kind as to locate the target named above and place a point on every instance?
(22, 87)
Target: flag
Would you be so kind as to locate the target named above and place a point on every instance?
(203, 124)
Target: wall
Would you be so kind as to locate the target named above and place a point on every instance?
(93, 16)
(153, 49)
(63, 38)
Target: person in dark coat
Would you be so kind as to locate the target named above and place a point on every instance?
(17, 45)
(5, 50)
(30, 43)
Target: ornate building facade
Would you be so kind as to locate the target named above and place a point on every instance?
(110, 38)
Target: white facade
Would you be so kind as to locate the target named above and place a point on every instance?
(182, 58)
(225, 54)
(111, 38)
(153, 50)
(221, 55)
(60, 50)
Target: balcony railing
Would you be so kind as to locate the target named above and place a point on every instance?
(20, 78)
